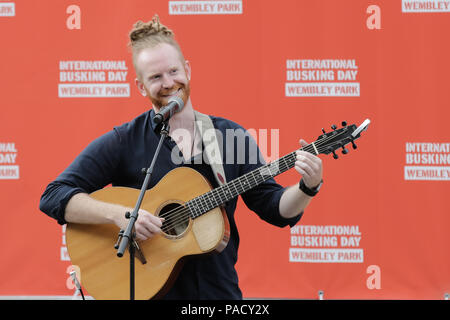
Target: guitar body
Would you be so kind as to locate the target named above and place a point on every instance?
(106, 276)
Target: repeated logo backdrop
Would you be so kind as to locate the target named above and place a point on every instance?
(379, 226)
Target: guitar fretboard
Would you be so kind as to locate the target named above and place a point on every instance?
(232, 189)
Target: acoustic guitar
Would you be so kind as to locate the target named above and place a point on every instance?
(195, 223)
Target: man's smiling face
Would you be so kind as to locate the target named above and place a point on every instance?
(162, 74)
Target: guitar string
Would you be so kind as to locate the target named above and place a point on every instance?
(181, 215)
(219, 192)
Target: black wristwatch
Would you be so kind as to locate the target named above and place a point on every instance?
(310, 192)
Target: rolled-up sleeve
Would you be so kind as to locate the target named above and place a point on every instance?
(92, 169)
(263, 199)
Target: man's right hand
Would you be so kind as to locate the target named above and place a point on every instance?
(146, 226)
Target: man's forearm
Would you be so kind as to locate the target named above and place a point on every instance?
(82, 208)
(293, 201)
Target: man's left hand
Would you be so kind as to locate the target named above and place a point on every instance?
(309, 166)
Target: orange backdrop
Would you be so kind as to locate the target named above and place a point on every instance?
(378, 228)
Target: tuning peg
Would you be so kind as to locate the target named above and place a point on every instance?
(335, 155)
(334, 127)
(354, 145)
(344, 123)
(323, 130)
(344, 150)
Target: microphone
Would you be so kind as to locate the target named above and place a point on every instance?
(175, 105)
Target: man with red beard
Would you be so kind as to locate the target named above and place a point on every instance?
(118, 156)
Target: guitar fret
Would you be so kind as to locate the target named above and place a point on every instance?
(222, 193)
(260, 177)
(197, 206)
(285, 162)
(254, 178)
(202, 204)
(242, 187)
(238, 186)
(210, 197)
(193, 208)
(207, 197)
(225, 192)
(228, 192)
(188, 206)
(216, 195)
(235, 188)
(247, 183)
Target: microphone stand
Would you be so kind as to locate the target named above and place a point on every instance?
(126, 237)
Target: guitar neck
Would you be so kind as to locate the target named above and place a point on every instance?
(248, 181)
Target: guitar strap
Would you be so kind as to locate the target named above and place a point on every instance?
(212, 151)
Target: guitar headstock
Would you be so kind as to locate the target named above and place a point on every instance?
(331, 141)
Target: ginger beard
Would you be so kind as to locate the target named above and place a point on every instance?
(163, 96)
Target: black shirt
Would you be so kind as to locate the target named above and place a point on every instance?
(118, 157)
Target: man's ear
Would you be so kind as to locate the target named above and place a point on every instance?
(187, 69)
(140, 87)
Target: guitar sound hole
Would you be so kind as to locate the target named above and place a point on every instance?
(176, 219)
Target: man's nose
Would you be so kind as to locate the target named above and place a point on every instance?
(167, 82)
